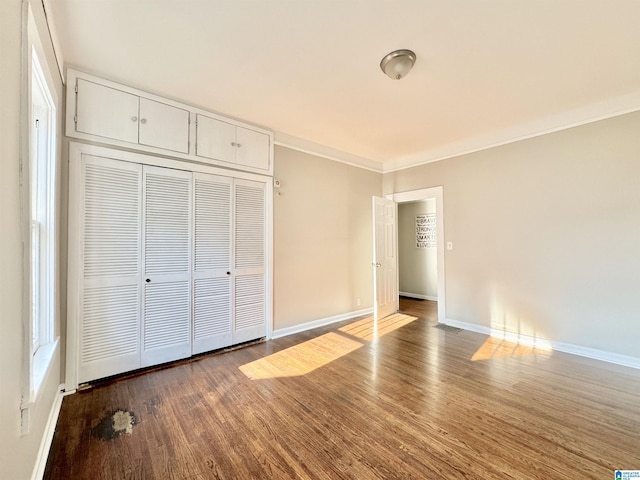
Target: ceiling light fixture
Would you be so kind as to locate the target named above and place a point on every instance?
(398, 63)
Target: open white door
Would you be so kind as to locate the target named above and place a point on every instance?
(385, 262)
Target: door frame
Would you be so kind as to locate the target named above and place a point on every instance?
(435, 193)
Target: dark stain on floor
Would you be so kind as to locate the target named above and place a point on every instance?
(114, 424)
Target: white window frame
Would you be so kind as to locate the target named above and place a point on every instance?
(40, 317)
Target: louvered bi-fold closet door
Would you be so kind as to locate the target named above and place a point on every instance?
(167, 226)
(250, 316)
(110, 216)
(212, 263)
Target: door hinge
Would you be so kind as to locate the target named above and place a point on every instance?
(76, 88)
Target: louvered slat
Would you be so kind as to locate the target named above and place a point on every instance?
(250, 301)
(166, 224)
(212, 223)
(250, 230)
(212, 307)
(111, 221)
(167, 314)
(109, 323)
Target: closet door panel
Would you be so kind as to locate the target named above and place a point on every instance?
(215, 139)
(164, 126)
(249, 262)
(167, 223)
(106, 112)
(212, 263)
(109, 341)
(253, 148)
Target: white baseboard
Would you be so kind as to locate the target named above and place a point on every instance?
(419, 295)
(303, 327)
(593, 353)
(47, 435)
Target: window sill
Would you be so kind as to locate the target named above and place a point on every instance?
(40, 365)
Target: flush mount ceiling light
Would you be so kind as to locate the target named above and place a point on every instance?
(398, 63)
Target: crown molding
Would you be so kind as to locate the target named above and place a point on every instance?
(595, 112)
(307, 146)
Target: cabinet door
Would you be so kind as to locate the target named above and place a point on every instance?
(109, 340)
(252, 148)
(106, 112)
(167, 223)
(212, 263)
(164, 126)
(215, 139)
(249, 262)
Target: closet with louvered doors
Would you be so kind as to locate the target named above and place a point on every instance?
(164, 263)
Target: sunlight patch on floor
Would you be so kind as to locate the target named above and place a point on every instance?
(367, 329)
(317, 352)
(501, 348)
(302, 358)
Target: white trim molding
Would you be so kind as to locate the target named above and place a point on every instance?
(47, 436)
(419, 296)
(321, 322)
(592, 353)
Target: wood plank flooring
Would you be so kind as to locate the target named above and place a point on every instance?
(404, 400)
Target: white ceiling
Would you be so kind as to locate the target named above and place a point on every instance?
(487, 71)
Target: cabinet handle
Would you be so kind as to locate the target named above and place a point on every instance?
(143, 121)
(134, 119)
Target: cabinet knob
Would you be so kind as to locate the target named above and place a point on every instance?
(233, 144)
(228, 273)
(239, 145)
(134, 119)
(148, 280)
(143, 121)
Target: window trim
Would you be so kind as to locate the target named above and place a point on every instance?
(38, 358)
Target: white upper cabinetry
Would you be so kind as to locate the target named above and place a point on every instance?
(220, 140)
(102, 111)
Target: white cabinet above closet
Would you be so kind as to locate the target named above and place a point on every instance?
(224, 141)
(99, 110)
(117, 115)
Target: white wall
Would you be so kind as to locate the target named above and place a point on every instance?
(322, 238)
(546, 234)
(418, 272)
(17, 452)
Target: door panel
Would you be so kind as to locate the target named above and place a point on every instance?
(110, 290)
(385, 257)
(215, 139)
(212, 265)
(106, 112)
(167, 223)
(253, 148)
(249, 272)
(164, 126)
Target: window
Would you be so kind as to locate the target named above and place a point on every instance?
(42, 183)
(42, 177)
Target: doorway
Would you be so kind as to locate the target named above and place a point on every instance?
(433, 194)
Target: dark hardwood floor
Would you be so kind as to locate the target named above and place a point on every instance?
(403, 401)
